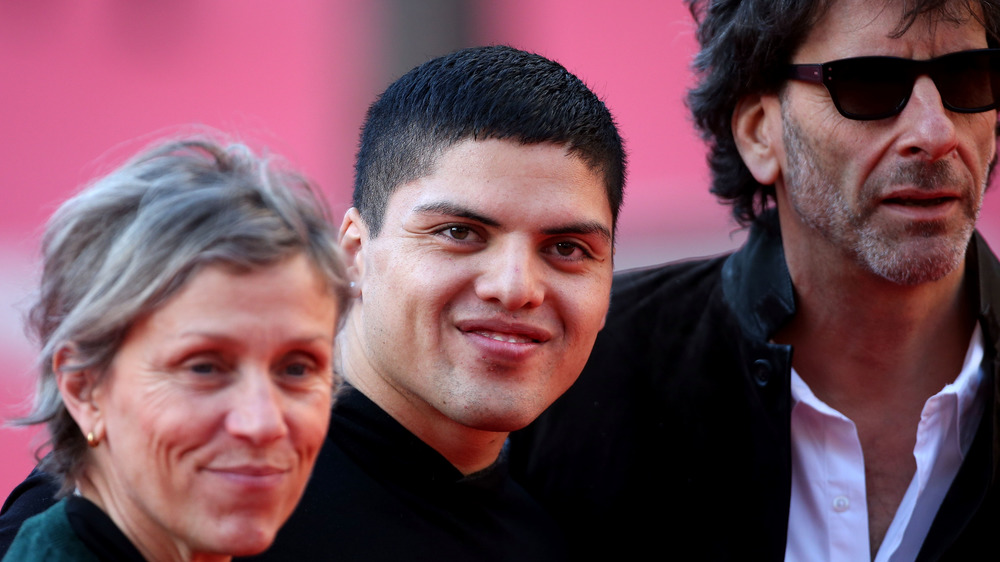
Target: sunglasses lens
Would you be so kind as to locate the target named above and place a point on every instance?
(968, 81)
(869, 87)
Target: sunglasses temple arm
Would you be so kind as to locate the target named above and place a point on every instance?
(806, 72)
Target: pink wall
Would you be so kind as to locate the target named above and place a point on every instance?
(82, 80)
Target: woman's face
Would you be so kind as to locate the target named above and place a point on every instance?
(214, 410)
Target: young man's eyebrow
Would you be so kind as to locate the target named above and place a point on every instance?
(453, 209)
(581, 228)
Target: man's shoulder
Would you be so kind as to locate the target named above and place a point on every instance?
(666, 283)
(644, 297)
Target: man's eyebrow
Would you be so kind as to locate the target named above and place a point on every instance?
(447, 208)
(582, 229)
(579, 228)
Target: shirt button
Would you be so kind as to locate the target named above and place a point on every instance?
(841, 503)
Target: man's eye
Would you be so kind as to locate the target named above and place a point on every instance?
(459, 232)
(566, 249)
(569, 250)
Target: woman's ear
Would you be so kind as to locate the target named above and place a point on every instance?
(757, 131)
(80, 393)
(353, 237)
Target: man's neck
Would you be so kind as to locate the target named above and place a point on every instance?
(876, 351)
(468, 449)
(860, 339)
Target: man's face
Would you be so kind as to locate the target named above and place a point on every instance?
(898, 197)
(483, 292)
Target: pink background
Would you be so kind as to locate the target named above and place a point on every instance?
(82, 81)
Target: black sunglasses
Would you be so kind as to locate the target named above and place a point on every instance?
(867, 88)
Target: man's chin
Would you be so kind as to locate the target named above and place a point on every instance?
(915, 267)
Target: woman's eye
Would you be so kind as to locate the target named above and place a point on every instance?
(202, 368)
(296, 369)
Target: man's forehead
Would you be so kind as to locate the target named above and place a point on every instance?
(457, 169)
(851, 28)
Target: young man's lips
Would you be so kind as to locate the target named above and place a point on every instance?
(505, 331)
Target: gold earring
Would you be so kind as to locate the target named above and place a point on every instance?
(92, 440)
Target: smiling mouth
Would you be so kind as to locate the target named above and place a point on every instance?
(507, 338)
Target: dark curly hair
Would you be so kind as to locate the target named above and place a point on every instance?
(745, 45)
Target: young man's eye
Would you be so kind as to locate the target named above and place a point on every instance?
(460, 233)
(569, 250)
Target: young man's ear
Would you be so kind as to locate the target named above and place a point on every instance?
(352, 237)
(757, 130)
(80, 393)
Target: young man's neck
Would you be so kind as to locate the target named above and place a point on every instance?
(468, 449)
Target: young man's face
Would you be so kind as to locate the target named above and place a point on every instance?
(483, 292)
(899, 196)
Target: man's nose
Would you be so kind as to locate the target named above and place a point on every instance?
(513, 276)
(930, 129)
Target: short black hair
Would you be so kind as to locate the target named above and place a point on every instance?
(494, 92)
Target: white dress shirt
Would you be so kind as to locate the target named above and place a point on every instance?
(828, 515)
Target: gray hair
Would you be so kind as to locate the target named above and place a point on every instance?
(120, 248)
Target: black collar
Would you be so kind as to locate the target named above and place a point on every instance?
(98, 532)
(756, 283)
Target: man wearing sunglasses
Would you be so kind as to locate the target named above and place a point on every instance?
(829, 391)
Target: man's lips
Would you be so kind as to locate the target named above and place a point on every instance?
(921, 205)
(924, 202)
(505, 331)
(919, 198)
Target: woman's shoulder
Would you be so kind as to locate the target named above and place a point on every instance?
(49, 537)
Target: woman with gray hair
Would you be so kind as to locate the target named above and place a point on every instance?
(188, 307)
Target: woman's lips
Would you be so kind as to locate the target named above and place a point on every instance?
(250, 475)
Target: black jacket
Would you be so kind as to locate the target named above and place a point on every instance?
(676, 438)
